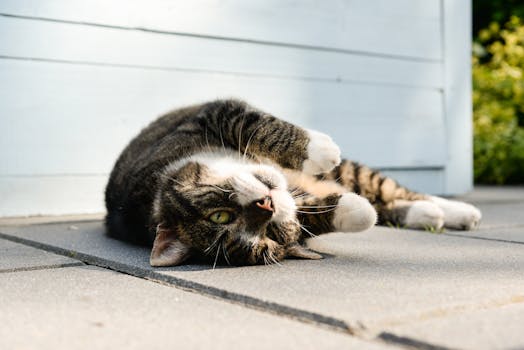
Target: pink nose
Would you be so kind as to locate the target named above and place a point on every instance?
(265, 203)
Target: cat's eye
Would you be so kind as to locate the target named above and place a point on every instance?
(221, 217)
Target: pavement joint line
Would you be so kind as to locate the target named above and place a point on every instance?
(407, 342)
(492, 201)
(497, 226)
(42, 267)
(307, 317)
(47, 223)
(217, 293)
(483, 238)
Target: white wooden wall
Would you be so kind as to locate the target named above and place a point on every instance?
(388, 79)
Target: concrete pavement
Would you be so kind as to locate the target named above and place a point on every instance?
(64, 284)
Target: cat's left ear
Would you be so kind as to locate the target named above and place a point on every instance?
(167, 249)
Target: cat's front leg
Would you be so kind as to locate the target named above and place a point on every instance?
(241, 127)
(322, 153)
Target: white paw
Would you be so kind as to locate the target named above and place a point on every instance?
(458, 215)
(353, 214)
(424, 214)
(323, 153)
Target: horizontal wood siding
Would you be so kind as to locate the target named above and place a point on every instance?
(77, 118)
(408, 28)
(78, 79)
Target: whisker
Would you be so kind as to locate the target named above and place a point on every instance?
(301, 196)
(172, 179)
(317, 206)
(315, 212)
(216, 258)
(274, 260)
(305, 229)
(240, 134)
(225, 252)
(221, 137)
(208, 249)
(220, 188)
(250, 137)
(207, 139)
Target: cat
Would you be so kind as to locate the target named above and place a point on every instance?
(225, 182)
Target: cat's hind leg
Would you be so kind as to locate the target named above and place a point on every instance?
(434, 213)
(417, 214)
(400, 207)
(458, 215)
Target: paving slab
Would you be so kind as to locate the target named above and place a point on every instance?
(485, 328)
(494, 194)
(368, 281)
(17, 257)
(514, 234)
(500, 206)
(94, 308)
(502, 213)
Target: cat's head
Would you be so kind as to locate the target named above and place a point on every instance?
(223, 208)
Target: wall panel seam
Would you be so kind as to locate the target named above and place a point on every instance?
(235, 39)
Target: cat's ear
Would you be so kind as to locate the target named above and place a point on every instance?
(295, 250)
(167, 249)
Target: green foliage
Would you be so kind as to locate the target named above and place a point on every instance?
(498, 103)
(500, 11)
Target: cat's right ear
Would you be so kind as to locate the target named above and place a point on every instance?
(167, 249)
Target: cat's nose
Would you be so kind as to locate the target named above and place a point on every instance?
(265, 204)
(259, 212)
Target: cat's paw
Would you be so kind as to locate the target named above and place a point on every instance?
(322, 153)
(424, 215)
(458, 215)
(354, 213)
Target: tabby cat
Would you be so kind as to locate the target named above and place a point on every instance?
(228, 183)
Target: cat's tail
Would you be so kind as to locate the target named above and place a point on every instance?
(378, 188)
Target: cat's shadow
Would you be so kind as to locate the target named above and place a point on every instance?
(198, 264)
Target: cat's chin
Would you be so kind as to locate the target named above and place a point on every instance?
(264, 251)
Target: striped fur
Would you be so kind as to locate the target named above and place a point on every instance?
(275, 183)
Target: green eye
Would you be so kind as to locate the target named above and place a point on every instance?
(220, 217)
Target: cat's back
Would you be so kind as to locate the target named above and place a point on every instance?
(153, 135)
(132, 182)
(143, 150)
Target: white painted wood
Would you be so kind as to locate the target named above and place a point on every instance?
(59, 41)
(407, 27)
(457, 96)
(75, 119)
(388, 79)
(76, 194)
(424, 181)
(51, 195)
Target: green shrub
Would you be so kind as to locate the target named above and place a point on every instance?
(498, 103)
